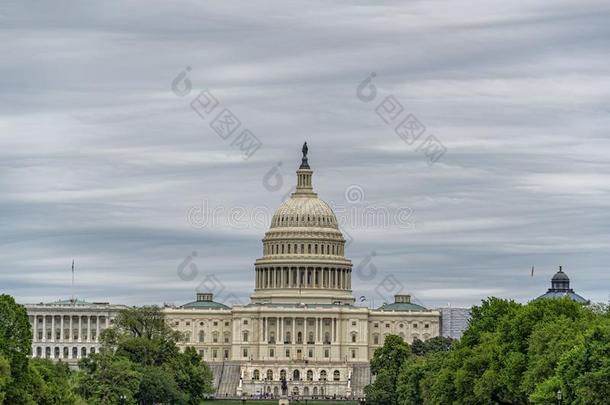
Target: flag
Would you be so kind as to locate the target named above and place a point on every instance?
(362, 298)
(532, 271)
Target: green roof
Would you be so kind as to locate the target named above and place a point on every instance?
(205, 305)
(401, 306)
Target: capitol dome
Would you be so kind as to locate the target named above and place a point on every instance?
(303, 251)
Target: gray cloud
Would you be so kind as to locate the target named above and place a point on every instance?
(101, 162)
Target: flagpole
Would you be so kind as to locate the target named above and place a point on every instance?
(72, 281)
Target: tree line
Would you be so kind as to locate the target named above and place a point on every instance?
(548, 351)
(138, 363)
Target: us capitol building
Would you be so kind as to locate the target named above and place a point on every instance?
(301, 324)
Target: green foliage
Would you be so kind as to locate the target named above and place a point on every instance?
(141, 363)
(5, 376)
(436, 344)
(513, 354)
(386, 364)
(15, 347)
(108, 379)
(50, 383)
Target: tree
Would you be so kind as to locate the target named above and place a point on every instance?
(386, 364)
(109, 379)
(15, 347)
(141, 349)
(5, 377)
(50, 382)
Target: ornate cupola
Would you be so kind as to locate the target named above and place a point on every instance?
(560, 287)
(303, 251)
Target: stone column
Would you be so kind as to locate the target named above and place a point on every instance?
(88, 328)
(305, 330)
(80, 330)
(294, 329)
(332, 329)
(316, 330)
(266, 331)
(53, 328)
(97, 328)
(61, 333)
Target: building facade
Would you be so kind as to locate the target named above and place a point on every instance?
(69, 330)
(301, 324)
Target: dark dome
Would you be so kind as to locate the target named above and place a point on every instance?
(561, 276)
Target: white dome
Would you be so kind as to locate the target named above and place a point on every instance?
(303, 251)
(304, 212)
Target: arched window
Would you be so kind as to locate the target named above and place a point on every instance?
(296, 375)
(336, 375)
(375, 339)
(39, 351)
(299, 337)
(245, 336)
(316, 248)
(83, 352)
(256, 375)
(326, 337)
(282, 374)
(309, 375)
(271, 337)
(74, 352)
(270, 375)
(201, 336)
(323, 375)
(92, 350)
(309, 248)
(289, 247)
(354, 337)
(310, 338)
(288, 338)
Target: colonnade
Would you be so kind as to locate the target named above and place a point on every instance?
(304, 277)
(67, 328)
(285, 330)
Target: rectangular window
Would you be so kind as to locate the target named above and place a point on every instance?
(353, 353)
(245, 352)
(426, 326)
(326, 353)
(288, 353)
(215, 353)
(310, 353)
(271, 353)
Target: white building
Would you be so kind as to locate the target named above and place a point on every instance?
(301, 324)
(69, 330)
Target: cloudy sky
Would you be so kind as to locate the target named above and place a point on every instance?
(104, 161)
